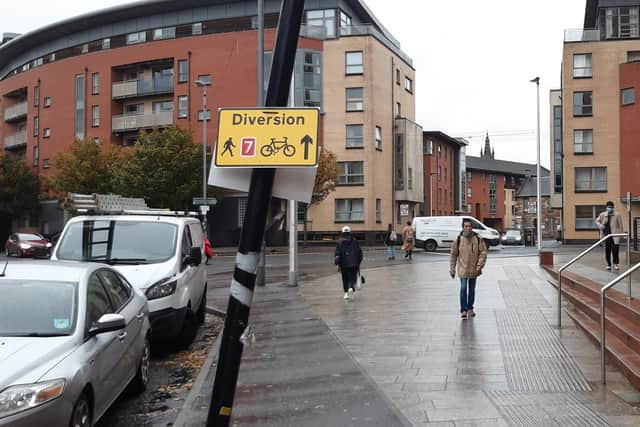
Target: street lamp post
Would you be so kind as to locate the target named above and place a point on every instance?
(204, 84)
(538, 198)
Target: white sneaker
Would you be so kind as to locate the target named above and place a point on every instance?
(616, 266)
(608, 267)
(346, 295)
(351, 291)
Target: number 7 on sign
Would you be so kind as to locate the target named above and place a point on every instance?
(248, 147)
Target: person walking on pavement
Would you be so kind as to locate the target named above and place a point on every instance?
(610, 222)
(469, 254)
(390, 238)
(408, 240)
(348, 258)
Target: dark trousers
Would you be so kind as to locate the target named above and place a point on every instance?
(610, 247)
(349, 277)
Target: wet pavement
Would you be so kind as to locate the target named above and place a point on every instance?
(400, 353)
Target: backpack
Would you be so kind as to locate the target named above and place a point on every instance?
(349, 254)
(458, 240)
(393, 236)
(409, 236)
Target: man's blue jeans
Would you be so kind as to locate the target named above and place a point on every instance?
(467, 293)
(391, 251)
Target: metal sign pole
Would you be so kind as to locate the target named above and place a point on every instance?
(293, 242)
(260, 277)
(261, 187)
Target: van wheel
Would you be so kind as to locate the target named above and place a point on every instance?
(189, 330)
(430, 245)
(202, 308)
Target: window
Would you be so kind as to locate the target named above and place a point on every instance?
(302, 212)
(582, 65)
(206, 78)
(96, 141)
(583, 141)
(586, 216)
(95, 83)
(354, 63)
(398, 110)
(349, 210)
(52, 57)
(557, 148)
(427, 147)
(308, 81)
(162, 106)
(36, 126)
(345, 20)
(351, 173)
(36, 96)
(323, 20)
(84, 48)
(619, 22)
(79, 114)
(164, 33)
(378, 138)
(354, 98)
(47, 101)
(398, 76)
(118, 291)
(183, 71)
(46, 132)
(36, 155)
(196, 28)
(138, 37)
(469, 176)
(97, 301)
(134, 109)
(633, 55)
(355, 136)
(106, 43)
(183, 107)
(468, 192)
(45, 164)
(582, 105)
(628, 96)
(492, 194)
(591, 179)
(378, 211)
(409, 179)
(95, 116)
(408, 84)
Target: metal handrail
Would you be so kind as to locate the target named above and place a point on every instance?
(567, 265)
(604, 289)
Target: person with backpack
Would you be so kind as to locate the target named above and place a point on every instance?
(469, 254)
(348, 257)
(408, 240)
(390, 238)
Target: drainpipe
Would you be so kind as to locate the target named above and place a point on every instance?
(188, 87)
(393, 149)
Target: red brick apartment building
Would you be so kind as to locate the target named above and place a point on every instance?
(109, 74)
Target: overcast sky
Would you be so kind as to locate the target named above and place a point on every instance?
(473, 61)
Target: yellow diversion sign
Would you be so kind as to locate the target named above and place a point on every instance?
(265, 137)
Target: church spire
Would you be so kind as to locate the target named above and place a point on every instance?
(488, 151)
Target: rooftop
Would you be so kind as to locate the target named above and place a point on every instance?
(503, 166)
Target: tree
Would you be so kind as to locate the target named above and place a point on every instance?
(165, 168)
(86, 168)
(325, 182)
(18, 187)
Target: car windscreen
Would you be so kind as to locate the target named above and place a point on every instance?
(513, 233)
(24, 236)
(37, 308)
(118, 242)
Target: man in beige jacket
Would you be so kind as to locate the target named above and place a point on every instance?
(610, 222)
(469, 253)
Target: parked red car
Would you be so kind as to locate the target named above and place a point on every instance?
(27, 245)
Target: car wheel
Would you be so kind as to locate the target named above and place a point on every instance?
(140, 381)
(430, 245)
(81, 415)
(202, 309)
(6, 252)
(189, 330)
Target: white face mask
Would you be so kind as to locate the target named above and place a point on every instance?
(467, 233)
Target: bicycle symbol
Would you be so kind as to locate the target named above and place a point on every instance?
(276, 146)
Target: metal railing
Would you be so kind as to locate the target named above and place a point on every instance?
(15, 140)
(130, 88)
(15, 111)
(583, 253)
(141, 121)
(603, 291)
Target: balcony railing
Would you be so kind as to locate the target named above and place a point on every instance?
(15, 112)
(130, 122)
(15, 140)
(132, 88)
(581, 35)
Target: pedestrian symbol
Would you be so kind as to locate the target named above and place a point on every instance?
(228, 145)
(267, 137)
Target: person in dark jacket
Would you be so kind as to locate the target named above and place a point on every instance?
(348, 258)
(390, 238)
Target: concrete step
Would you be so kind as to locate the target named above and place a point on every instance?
(618, 353)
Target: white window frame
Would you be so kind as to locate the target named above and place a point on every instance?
(591, 179)
(582, 66)
(378, 137)
(348, 173)
(353, 102)
(345, 211)
(583, 141)
(183, 106)
(136, 38)
(95, 116)
(354, 62)
(354, 141)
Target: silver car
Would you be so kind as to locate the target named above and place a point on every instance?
(72, 337)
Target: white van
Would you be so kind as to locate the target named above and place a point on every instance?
(433, 232)
(159, 254)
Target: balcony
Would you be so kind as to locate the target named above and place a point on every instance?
(16, 112)
(15, 141)
(133, 88)
(132, 122)
(580, 35)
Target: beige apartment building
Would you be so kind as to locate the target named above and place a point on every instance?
(369, 123)
(599, 132)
